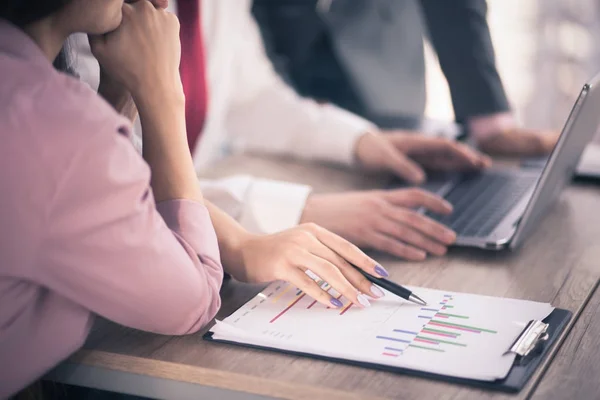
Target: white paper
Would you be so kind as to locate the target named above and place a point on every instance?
(456, 334)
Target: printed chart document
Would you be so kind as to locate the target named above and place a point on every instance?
(456, 334)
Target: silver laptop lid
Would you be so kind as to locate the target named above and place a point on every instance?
(579, 130)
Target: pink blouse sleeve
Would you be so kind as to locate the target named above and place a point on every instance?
(110, 248)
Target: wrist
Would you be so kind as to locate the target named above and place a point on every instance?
(362, 146)
(232, 252)
(485, 126)
(158, 96)
(232, 238)
(306, 215)
(144, 87)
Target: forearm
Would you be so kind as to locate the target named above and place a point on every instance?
(162, 115)
(117, 96)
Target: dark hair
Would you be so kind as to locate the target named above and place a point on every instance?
(24, 12)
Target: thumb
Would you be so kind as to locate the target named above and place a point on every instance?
(404, 167)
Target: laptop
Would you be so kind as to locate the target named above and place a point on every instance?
(498, 208)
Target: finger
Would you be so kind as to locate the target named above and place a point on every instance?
(305, 283)
(348, 251)
(486, 161)
(457, 152)
(548, 142)
(408, 235)
(387, 244)
(351, 273)
(402, 166)
(332, 275)
(416, 198)
(162, 4)
(541, 143)
(423, 224)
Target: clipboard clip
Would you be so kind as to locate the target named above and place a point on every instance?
(533, 337)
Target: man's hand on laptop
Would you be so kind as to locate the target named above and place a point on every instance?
(499, 134)
(384, 220)
(408, 155)
(519, 142)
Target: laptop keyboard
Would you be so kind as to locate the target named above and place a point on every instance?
(481, 201)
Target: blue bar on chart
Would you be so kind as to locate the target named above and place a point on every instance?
(392, 339)
(393, 349)
(407, 332)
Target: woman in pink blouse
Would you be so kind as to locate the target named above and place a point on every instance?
(88, 226)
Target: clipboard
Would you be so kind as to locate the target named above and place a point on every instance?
(532, 347)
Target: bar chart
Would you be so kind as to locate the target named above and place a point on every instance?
(456, 333)
(439, 331)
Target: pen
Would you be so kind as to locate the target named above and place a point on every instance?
(393, 288)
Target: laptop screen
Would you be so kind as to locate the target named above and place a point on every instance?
(579, 130)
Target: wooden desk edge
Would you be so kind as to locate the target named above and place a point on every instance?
(216, 379)
(539, 375)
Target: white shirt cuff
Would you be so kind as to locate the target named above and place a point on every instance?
(260, 205)
(273, 206)
(339, 132)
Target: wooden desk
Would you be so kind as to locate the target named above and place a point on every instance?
(557, 265)
(575, 371)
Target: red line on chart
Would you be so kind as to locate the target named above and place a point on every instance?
(347, 308)
(287, 308)
(311, 304)
(440, 316)
(390, 354)
(315, 302)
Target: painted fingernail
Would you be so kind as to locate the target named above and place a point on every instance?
(381, 271)
(336, 303)
(363, 300)
(375, 291)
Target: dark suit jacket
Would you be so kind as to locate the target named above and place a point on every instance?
(299, 42)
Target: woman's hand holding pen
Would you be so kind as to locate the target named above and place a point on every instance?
(288, 255)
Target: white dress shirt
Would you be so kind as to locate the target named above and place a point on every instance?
(251, 109)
